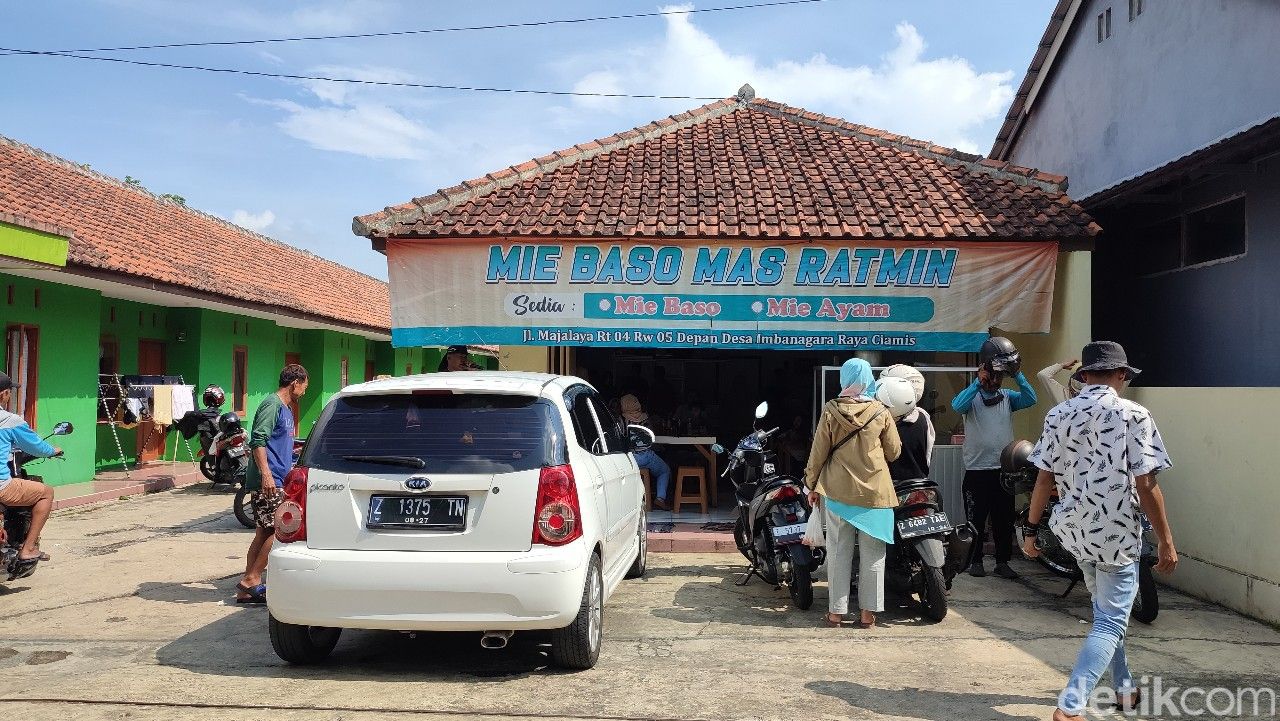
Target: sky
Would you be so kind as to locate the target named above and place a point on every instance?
(296, 160)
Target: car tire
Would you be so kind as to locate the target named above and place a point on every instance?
(302, 645)
(642, 538)
(242, 506)
(577, 646)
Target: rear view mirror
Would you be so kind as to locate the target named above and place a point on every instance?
(762, 410)
(642, 439)
(62, 429)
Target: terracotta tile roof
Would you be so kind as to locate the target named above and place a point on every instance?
(748, 168)
(121, 229)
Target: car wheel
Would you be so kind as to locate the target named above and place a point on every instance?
(642, 539)
(577, 645)
(302, 645)
(242, 506)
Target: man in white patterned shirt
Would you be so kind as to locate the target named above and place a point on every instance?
(1103, 453)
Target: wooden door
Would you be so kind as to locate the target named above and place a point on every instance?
(151, 362)
(293, 359)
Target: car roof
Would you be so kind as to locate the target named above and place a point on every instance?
(517, 382)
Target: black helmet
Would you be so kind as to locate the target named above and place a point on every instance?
(1016, 456)
(213, 396)
(229, 423)
(999, 354)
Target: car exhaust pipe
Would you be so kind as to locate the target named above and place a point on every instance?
(494, 640)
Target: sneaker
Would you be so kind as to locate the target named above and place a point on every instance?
(976, 570)
(1003, 571)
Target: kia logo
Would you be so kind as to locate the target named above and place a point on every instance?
(418, 483)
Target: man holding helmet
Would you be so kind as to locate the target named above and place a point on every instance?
(988, 427)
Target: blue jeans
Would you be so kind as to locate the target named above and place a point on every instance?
(1114, 589)
(657, 468)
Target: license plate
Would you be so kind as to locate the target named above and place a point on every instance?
(924, 525)
(783, 533)
(236, 451)
(433, 512)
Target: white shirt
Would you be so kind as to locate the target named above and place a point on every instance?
(1095, 445)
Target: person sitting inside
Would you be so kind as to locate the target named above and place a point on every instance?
(20, 492)
(647, 458)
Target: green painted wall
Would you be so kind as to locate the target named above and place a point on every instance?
(67, 367)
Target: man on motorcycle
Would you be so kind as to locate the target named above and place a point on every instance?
(988, 427)
(20, 492)
(1103, 453)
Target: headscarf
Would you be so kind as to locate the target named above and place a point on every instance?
(856, 379)
(631, 410)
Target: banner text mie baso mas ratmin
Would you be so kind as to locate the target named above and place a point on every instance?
(817, 295)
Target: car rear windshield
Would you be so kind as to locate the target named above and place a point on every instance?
(449, 432)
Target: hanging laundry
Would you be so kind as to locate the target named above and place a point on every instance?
(131, 412)
(162, 409)
(184, 401)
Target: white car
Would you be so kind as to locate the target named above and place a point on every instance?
(471, 501)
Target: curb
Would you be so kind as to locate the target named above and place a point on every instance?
(692, 542)
(141, 488)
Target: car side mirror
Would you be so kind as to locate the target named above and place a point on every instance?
(717, 449)
(62, 429)
(641, 438)
(762, 410)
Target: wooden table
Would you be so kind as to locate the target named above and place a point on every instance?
(703, 444)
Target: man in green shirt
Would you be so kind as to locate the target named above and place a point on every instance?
(271, 443)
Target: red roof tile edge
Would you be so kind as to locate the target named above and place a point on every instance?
(37, 225)
(380, 224)
(102, 177)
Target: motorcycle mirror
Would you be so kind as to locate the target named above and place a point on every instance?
(762, 410)
(717, 449)
(63, 428)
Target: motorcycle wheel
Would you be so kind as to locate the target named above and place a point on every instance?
(1146, 606)
(242, 506)
(801, 587)
(934, 598)
(208, 468)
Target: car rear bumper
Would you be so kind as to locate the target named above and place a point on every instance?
(427, 591)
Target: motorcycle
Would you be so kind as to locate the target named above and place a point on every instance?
(17, 521)
(1018, 477)
(243, 504)
(927, 550)
(772, 512)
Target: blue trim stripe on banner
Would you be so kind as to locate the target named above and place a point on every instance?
(703, 338)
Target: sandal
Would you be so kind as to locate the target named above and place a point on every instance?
(866, 624)
(22, 567)
(257, 594)
(833, 623)
(1132, 704)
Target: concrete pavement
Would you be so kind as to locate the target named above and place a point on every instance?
(132, 620)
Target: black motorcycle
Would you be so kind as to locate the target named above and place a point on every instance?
(772, 513)
(927, 550)
(1018, 477)
(17, 521)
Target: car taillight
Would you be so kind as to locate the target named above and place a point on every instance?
(291, 515)
(557, 518)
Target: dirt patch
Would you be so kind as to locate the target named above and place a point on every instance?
(40, 658)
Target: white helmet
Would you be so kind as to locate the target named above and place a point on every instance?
(910, 374)
(897, 394)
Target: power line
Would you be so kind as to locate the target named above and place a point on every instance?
(501, 26)
(388, 83)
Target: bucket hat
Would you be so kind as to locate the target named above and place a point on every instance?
(1104, 355)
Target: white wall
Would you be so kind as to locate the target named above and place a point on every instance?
(1182, 75)
(1223, 492)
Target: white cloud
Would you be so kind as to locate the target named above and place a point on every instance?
(944, 100)
(257, 222)
(354, 118)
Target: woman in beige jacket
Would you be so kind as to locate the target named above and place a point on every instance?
(856, 490)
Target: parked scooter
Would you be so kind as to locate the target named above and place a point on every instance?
(1018, 476)
(17, 520)
(772, 513)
